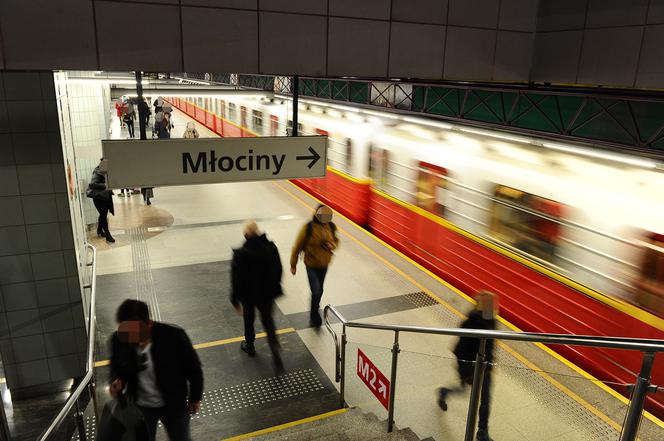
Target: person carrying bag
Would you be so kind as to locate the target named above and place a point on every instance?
(121, 420)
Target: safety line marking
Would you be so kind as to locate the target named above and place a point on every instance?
(287, 425)
(519, 357)
(214, 343)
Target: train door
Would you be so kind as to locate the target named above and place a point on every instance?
(274, 125)
(243, 117)
(378, 166)
(431, 185)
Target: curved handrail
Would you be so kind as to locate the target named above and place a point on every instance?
(337, 345)
(73, 398)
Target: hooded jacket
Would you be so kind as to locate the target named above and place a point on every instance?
(315, 254)
(256, 272)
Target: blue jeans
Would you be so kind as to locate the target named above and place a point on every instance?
(316, 278)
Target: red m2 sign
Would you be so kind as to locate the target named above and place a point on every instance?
(373, 378)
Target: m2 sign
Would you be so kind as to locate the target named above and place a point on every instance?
(373, 378)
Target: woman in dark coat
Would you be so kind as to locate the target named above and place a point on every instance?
(102, 197)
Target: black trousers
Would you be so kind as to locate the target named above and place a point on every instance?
(130, 127)
(316, 278)
(466, 372)
(174, 418)
(102, 223)
(265, 311)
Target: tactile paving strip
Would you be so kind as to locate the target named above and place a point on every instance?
(241, 396)
(420, 299)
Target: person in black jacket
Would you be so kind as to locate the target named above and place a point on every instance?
(256, 281)
(102, 197)
(156, 365)
(466, 351)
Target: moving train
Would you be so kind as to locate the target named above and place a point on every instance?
(570, 236)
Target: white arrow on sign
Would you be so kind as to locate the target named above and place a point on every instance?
(382, 389)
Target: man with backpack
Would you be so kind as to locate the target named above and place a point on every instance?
(318, 240)
(255, 282)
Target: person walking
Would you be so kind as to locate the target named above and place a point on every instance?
(119, 110)
(317, 240)
(163, 127)
(144, 108)
(466, 350)
(128, 118)
(255, 282)
(156, 365)
(190, 132)
(102, 197)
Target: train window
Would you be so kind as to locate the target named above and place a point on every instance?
(257, 120)
(232, 111)
(378, 165)
(274, 125)
(289, 129)
(222, 108)
(207, 103)
(650, 283)
(431, 184)
(526, 222)
(349, 153)
(243, 116)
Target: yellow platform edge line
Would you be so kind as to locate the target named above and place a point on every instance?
(549, 351)
(214, 343)
(322, 416)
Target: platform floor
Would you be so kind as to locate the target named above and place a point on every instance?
(175, 255)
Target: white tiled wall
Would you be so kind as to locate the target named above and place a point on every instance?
(42, 334)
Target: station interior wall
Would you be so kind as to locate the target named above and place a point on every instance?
(42, 324)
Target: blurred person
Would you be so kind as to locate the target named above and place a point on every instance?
(466, 350)
(119, 110)
(255, 282)
(317, 240)
(148, 193)
(156, 365)
(190, 132)
(145, 109)
(158, 104)
(102, 197)
(163, 127)
(128, 118)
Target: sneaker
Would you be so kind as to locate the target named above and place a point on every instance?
(110, 239)
(442, 395)
(248, 348)
(148, 202)
(483, 435)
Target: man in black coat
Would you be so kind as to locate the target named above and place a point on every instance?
(256, 281)
(156, 365)
(103, 200)
(466, 352)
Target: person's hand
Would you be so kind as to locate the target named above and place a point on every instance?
(194, 407)
(238, 309)
(116, 388)
(293, 270)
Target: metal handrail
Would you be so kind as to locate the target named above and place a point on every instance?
(649, 347)
(88, 379)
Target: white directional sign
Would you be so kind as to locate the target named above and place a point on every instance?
(158, 163)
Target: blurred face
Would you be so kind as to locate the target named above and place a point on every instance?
(488, 304)
(324, 214)
(134, 332)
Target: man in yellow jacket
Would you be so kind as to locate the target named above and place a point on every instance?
(318, 240)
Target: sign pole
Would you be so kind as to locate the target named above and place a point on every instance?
(296, 96)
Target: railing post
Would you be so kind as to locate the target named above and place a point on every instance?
(393, 382)
(80, 423)
(635, 410)
(475, 393)
(342, 386)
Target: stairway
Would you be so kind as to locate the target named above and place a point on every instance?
(352, 425)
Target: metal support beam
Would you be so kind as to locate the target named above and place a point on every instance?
(393, 382)
(141, 107)
(296, 96)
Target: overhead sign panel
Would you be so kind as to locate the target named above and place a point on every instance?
(164, 162)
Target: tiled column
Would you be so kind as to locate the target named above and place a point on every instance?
(42, 328)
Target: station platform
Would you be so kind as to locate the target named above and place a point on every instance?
(175, 255)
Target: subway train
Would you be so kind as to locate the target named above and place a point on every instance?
(570, 236)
